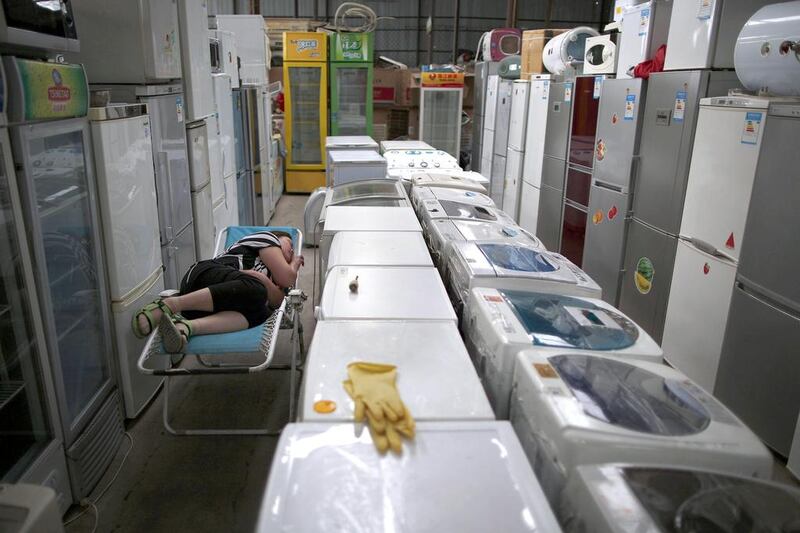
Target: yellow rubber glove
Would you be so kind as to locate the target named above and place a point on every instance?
(372, 388)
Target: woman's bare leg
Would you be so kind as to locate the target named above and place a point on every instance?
(222, 322)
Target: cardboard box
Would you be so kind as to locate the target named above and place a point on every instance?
(533, 43)
(384, 85)
(409, 79)
(469, 90)
(413, 123)
(380, 115)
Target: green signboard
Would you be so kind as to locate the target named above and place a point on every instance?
(351, 47)
(50, 90)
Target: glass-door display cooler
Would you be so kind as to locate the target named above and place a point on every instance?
(440, 110)
(351, 83)
(305, 79)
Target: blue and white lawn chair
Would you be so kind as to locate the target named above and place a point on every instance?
(217, 354)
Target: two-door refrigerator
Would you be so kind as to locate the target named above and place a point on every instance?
(554, 164)
(305, 79)
(759, 365)
(516, 147)
(616, 157)
(33, 447)
(133, 50)
(665, 153)
(583, 130)
(351, 83)
(535, 131)
(643, 28)
(502, 120)
(52, 151)
(727, 142)
(483, 69)
(123, 158)
(487, 136)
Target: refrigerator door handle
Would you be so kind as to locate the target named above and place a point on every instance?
(636, 165)
(163, 162)
(608, 186)
(708, 248)
(274, 88)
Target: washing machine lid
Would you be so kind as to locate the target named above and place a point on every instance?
(628, 396)
(354, 190)
(435, 376)
(508, 259)
(350, 141)
(478, 230)
(404, 145)
(470, 181)
(459, 209)
(390, 293)
(691, 500)
(459, 195)
(369, 218)
(455, 476)
(379, 248)
(558, 321)
(356, 157)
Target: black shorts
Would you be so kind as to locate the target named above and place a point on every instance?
(230, 288)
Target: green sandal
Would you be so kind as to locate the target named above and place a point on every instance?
(147, 311)
(174, 339)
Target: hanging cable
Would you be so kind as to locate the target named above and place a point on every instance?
(368, 18)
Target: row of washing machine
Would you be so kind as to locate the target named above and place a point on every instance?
(582, 384)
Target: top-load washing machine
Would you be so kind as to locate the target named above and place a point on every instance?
(435, 377)
(384, 293)
(618, 498)
(468, 477)
(406, 163)
(377, 192)
(467, 206)
(440, 232)
(376, 248)
(500, 323)
(340, 218)
(508, 265)
(575, 409)
(420, 194)
(465, 180)
(388, 146)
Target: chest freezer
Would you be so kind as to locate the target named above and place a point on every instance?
(436, 379)
(379, 248)
(577, 409)
(388, 146)
(503, 265)
(385, 293)
(379, 192)
(500, 323)
(340, 218)
(614, 498)
(455, 476)
(345, 166)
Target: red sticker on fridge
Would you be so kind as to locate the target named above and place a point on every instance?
(730, 243)
(612, 212)
(706, 269)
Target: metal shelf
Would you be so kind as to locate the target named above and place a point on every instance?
(9, 390)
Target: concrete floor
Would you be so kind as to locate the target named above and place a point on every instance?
(175, 484)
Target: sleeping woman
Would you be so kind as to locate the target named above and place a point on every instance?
(236, 290)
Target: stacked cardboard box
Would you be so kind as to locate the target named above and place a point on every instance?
(533, 43)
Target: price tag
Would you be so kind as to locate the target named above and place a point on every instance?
(546, 90)
(598, 84)
(644, 22)
(179, 108)
(752, 123)
(568, 93)
(630, 106)
(680, 106)
(704, 9)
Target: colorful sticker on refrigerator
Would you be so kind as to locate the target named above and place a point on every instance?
(567, 92)
(614, 118)
(644, 22)
(597, 218)
(179, 108)
(600, 150)
(752, 123)
(731, 242)
(643, 277)
(630, 106)
(680, 106)
(612, 213)
(706, 269)
(704, 9)
(598, 84)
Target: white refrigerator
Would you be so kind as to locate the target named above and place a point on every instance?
(123, 160)
(200, 173)
(195, 59)
(516, 147)
(643, 29)
(726, 149)
(223, 102)
(490, 111)
(538, 96)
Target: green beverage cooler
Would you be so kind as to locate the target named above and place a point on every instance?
(351, 83)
